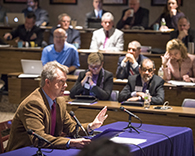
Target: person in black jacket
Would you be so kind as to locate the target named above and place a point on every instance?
(134, 17)
(138, 84)
(29, 33)
(129, 64)
(95, 81)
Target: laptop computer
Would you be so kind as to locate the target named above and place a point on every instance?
(94, 23)
(15, 19)
(31, 68)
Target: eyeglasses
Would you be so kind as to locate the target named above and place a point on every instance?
(95, 67)
(149, 70)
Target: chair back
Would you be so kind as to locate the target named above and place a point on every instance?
(114, 95)
(4, 133)
(188, 103)
(77, 71)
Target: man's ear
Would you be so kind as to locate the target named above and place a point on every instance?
(47, 82)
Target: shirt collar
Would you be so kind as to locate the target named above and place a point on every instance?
(98, 12)
(50, 101)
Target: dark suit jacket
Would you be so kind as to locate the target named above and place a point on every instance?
(34, 113)
(72, 36)
(91, 15)
(21, 32)
(101, 94)
(155, 87)
(123, 72)
(189, 38)
(141, 19)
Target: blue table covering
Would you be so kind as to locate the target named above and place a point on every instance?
(156, 144)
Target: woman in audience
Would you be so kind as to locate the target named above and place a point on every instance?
(177, 63)
(95, 81)
(171, 14)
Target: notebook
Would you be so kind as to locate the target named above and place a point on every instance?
(31, 68)
(15, 19)
(83, 100)
(133, 103)
(108, 133)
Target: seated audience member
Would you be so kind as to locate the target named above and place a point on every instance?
(42, 16)
(105, 147)
(134, 16)
(3, 12)
(95, 81)
(29, 33)
(44, 112)
(107, 38)
(73, 36)
(171, 14)
(129, 64)
(138, 84)
(184, 33)
(177, 63)
(61, 51)
(96, 13)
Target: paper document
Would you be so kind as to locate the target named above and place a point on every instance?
(122, 140)
(28, 76)
(121, 80)
(181, 83)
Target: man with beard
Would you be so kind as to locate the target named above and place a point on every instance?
(42, 17)
(138, 84)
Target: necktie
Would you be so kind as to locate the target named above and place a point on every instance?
(144, 87)
(107, 35)
(131, 71)
(53, 118)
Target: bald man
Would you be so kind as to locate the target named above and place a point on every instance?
(134, 16)
(61, 51)
(184, 33)
(129, 64)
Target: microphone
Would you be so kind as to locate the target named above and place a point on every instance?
(38, 136)
(77, 121)
(135, 116)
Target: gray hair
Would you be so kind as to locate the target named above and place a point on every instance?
(50, 71)
(62, 15)
(107, 15)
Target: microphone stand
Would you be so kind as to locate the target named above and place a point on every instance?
(39, 152)
(130, 125)
(77, 131)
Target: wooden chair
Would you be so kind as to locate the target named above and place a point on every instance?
(4, 133)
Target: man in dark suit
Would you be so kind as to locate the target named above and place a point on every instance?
(73, 36)
(97, 13)
(44, 112)
(28, 33)
(134, 16)
(42, 16)
(129, 64)
(184, 33)
(138, 84)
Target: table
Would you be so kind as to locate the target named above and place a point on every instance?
(177, 116)
(10, 58)
(18, 89)
(156, 144)
(155, 39)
